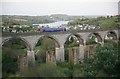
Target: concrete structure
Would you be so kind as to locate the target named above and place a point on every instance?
(60, 38)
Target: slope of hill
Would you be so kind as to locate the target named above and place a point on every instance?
(9, 20)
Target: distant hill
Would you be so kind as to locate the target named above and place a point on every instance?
(63, 17)
(29, 20)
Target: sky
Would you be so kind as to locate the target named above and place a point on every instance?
(69, 7)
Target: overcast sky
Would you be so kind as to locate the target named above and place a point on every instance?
(70, 7)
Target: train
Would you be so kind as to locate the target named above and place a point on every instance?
(51, 30)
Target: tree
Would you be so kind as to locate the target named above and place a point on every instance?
(104, 63)
(107, 57)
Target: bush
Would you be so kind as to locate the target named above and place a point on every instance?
(44, 70)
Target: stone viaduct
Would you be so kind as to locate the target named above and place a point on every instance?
(59, 38)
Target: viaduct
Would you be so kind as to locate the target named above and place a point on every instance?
(31, 39)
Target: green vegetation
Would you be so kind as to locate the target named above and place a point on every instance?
(9, 20)
(20, 24)
(72, 43)
(44, 70)
(104, 63)
(24, 20)
(91, 40)
(10, 52)
(99, 22)
(110, 22)
(43, 46)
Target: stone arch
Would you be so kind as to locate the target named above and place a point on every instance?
(74, 53)
(50, 57)
(57, 44)
(22, 59)
(97, 35)
(78, 37)
(90, 46)
(110, 35)
(22, 39)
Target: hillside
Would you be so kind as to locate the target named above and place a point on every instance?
(9, 20)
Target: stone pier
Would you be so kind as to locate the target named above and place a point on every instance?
(59, 52)
(31, 58)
